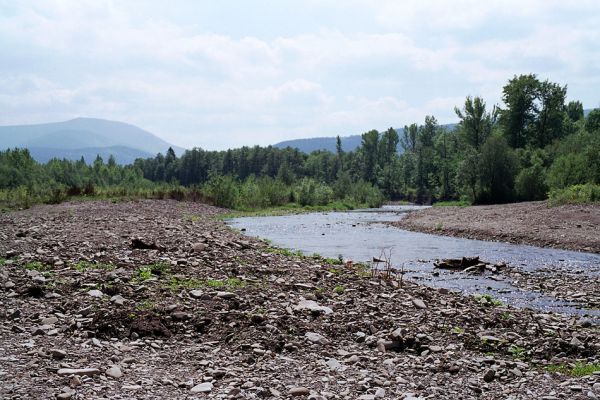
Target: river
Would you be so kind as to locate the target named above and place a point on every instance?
(361, 235)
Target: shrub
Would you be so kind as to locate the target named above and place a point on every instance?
(588, 193)
(223, 191)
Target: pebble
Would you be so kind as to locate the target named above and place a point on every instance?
(196, 293)
(489, 375)
(58, 354)
(299, 391)
(333, 364)
(204, 387)
(81, 371)
(49, 321)
(316, 338)
(118, 300)
(418, 303)
(114, 372)
(95, 293)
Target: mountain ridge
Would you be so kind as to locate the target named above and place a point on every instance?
(78, 137)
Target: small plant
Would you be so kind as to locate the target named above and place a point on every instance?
(578, 369)
(339, 289)
(458, 330)
(176, 284)
(2, 261)
(86, 265)
(487, 299)
(145, 305)
(506, 316)
(439, 226)
(37, 266)
(518, 352)
(150, 271)
(144, 273)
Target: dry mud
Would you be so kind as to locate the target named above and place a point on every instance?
(159, 299)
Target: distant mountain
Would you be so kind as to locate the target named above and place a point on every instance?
(84, 137)
(349, 143)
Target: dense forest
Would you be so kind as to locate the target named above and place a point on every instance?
(533, 146)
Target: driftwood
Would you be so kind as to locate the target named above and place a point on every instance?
(468, 265)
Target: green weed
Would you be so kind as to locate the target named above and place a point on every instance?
(578, 369)
(339, 289)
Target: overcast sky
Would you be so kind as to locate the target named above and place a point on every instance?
(220, 74)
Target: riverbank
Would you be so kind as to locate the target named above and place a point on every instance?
(570, 227)
(159, 299)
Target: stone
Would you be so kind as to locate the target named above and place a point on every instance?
(118, 300)
(379, 393)
(49, 321)
(199, 247)
(489, 375)
(114, 372)
(312, 306)
(576, 342)
(418, 303)
(196, 293)
(596, 387)
(333, 364)
(299, 391)
(315, 338)
(80, 371)
(180, 316)
(204, 387)
(225, 295)
(58, 354)
(95, 293)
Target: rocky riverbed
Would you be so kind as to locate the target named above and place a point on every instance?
(570, 227)
(159, 299)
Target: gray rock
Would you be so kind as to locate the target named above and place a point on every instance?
(196, 293)
(225, 295)
(114, 372)
(312, 306)
(418, 303)
(204, 387)
(95, 293)
(49, 321)
(333, 364)
(80, 371)
(489, 375)
(315, 338)
(199, 247)
(596, 387)
(118, 300)
(58, 354)
(299, 391)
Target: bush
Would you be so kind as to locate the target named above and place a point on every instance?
(223, 191)
(530, 183)
(588, 193)
(313, 193)
(366, 194)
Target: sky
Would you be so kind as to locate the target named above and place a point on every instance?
(223, 74)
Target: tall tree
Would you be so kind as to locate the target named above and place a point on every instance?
(518, 118)
(475, 123)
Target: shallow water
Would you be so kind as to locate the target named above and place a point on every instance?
(363, 234)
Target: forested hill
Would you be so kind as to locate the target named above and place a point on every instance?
(349, 143)
(85, 137)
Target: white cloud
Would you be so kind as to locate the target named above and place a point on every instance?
(205, 86)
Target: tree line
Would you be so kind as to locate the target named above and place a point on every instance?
(533, 145)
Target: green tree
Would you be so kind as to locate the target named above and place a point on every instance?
(475, 123)
(519, 116)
